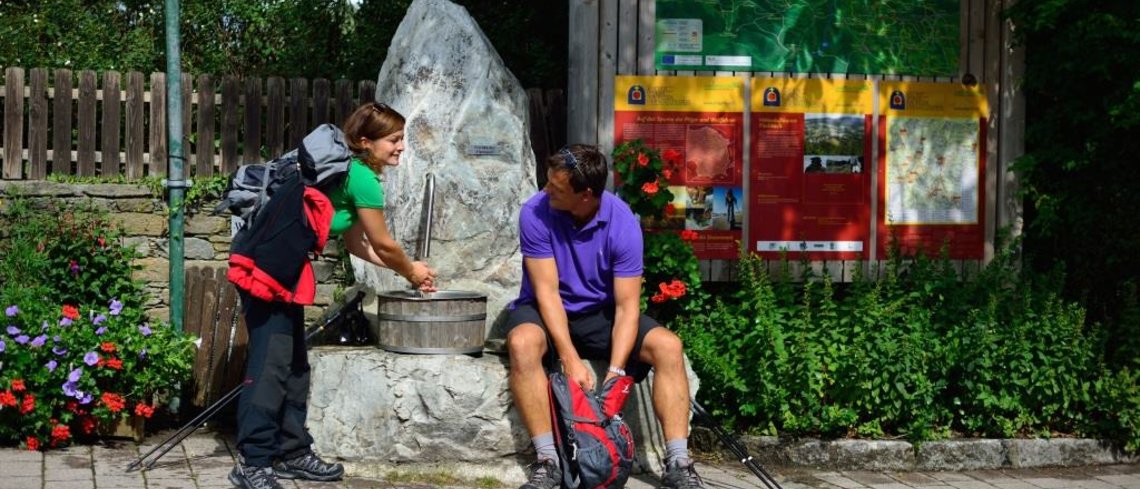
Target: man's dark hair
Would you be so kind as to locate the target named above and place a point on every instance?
(586, 165)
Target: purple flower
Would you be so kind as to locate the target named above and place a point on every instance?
(56, 338)
(11, 311)
(65, 322)
(39, 341)
(98, 319)
(74, 375)
(91, 358)
(59, 350)
(116, 307)
(69, 388)
(142, 354)
(2, 346)
(145, 330)
(100, 331)
(85, 398)
(13, 331)
(44, 326)
(51, 365)
(22, 339)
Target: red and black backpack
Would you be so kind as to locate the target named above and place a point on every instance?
(594, 443)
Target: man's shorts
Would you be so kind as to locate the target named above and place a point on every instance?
(591, 334)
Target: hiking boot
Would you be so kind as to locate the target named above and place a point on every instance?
(544, 474)
(681, 475)
(250, 477)
(309, 467)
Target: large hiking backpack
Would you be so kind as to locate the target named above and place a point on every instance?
(281, 215)
(322, 159)
(594, 443)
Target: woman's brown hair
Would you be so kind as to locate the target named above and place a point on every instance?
(373, 120)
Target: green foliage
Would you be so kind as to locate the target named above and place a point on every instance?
(77, 351)
(918, 352)
(292, 38)
(1078, 176)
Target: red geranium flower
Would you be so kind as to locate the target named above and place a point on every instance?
(650, 188)
(28, 405)
(114, 402)
(144, 410)
(60, 432)
(87, 424)
(676, 289)
(670, 209)
(642, 160)
(115, 363)
(18, 385)
(7, 399)
(107, 346)
(33, 443)
(667, 173)
(70, 312)
(658, 298)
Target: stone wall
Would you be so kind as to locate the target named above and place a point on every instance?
(143, 218)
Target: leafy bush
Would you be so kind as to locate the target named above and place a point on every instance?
(918, 352)
(77, 351)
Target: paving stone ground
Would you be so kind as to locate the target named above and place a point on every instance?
(203, 460)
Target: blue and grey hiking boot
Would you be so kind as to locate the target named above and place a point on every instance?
(681, 475)
(309, 467)
(544, 474)
(251, 477)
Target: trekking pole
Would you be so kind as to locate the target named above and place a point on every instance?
(735, 447)
(217, 406)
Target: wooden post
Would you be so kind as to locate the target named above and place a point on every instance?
(582, 73)
(230, 112)
(275, 117)
(14, 123)
(112, 121)
(321, 92)
(251, 141)
(61, 124)
(87, 96)
(204, 159)
(298, 111)
(157, 145)
(344, 103)
(135, 125)
(38, 125)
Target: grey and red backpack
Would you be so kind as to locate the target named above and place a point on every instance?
(594, 442)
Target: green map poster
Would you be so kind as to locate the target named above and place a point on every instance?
(889, 37)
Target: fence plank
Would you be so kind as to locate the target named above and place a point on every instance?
(275, 116)
(298, 111)
(208, 330)
(227, 309)
(135, 125)
(994, 131)
(607, 66)
(14, 123)
(187, 87)
(539, 140)
(344, 104)
(647, 24)
(61, 124)
(157, 144)
(320, 101)
(112, 121)
(38, 125)
(87, 96)
(204, 159)
(582, 73)
(251, 144)
(627, 38)
(229, 132)
(367, 92)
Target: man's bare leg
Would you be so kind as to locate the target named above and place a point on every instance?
(663, 350)
(526, 345)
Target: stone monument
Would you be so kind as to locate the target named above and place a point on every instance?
(466, 124)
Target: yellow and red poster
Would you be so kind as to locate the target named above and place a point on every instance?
(931, 168)
(701, 119)
(810, 179)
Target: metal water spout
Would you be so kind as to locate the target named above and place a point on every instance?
(423, 247)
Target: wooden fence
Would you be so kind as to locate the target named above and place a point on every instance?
(617, 37)
(109, 125)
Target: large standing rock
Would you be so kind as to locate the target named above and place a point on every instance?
(467, 124)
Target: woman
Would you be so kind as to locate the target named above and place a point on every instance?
(272, 439)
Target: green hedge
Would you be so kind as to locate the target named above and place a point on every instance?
(918, 353)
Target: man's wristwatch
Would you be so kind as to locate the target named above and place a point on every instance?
(616, 370)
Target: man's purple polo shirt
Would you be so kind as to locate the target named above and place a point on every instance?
(588, 258)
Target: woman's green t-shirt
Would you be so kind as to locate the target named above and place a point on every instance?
(361, 190)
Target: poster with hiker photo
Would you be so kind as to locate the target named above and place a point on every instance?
(697, 124)
(811, 189)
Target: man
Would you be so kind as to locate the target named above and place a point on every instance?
(580, 299)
